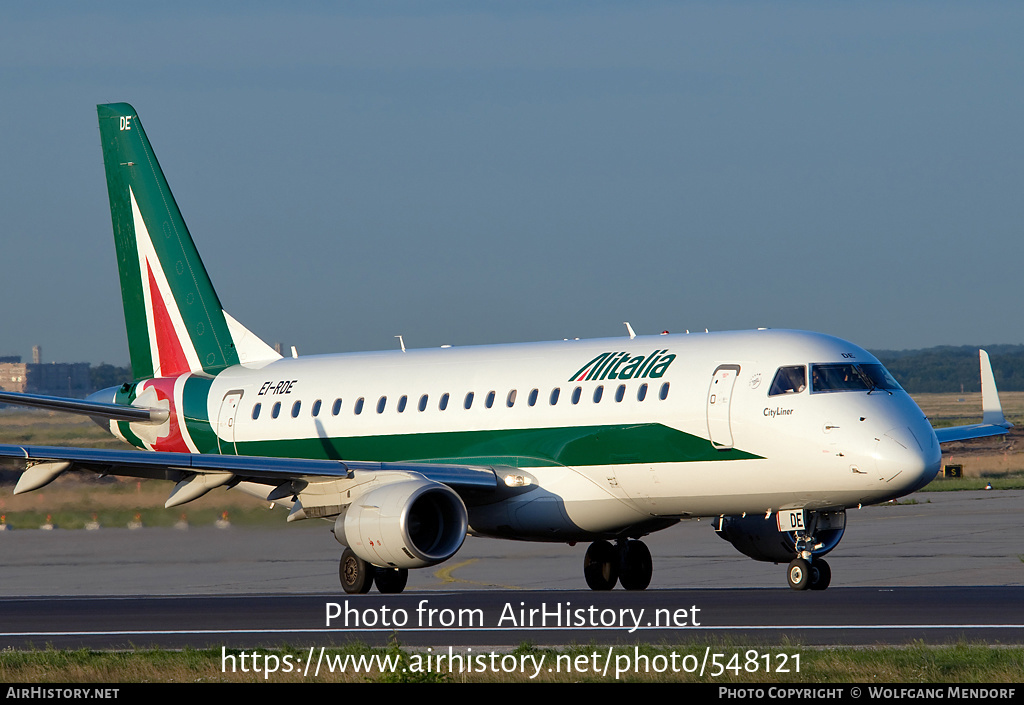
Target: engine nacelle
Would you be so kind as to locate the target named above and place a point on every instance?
(404, 524)
(761, 539)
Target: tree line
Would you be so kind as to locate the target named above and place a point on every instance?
(950, 369)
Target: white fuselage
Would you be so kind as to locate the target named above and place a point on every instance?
(715, 444)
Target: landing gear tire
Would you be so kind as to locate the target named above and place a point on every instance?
(799, 574)
(391, 580)
(636, 566)
(821, 575)
(355, 573)
(601, 566)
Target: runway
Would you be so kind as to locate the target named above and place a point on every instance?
(858, 616)
(945, 568)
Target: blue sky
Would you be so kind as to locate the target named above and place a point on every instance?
(486, 172)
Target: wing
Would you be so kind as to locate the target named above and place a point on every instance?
(993, 423)
(195, 474)
(312, 488)
(400, 515)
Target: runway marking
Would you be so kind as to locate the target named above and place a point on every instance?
(389, 630)
(445, 576)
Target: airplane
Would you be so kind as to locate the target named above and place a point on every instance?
(772, 433)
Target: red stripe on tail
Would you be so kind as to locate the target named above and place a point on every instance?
(171, 354)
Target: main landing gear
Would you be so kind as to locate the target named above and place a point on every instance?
(358, 576)
(627, 562)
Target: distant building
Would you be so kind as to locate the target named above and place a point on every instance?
(62, 379)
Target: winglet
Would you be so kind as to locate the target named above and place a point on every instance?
(992, 410)
(993, 423)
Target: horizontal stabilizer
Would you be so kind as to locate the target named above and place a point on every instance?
(97, 409)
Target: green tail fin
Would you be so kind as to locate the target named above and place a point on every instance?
(175, 321)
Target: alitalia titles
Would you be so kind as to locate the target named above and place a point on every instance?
(624, 365)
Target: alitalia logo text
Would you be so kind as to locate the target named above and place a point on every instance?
(624, 365)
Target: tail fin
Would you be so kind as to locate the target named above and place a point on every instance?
(174, 318)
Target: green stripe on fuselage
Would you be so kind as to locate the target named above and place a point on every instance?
(194, 398)
(571, 446)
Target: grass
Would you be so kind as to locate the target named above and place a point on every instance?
(74, 500)
(1009, 481)
(45, 428)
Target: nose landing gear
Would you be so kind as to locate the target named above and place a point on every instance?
(628, 562)
(809, 575)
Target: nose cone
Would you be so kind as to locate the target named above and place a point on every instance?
(908, 458)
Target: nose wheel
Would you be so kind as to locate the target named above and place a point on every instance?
(809, 575)
(628, 563)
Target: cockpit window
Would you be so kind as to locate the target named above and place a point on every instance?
(841, 377)
(789, 380)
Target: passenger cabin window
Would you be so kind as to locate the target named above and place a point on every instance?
(576, 393)
(381, 403)
(359, 406)
(533, 397)
(444, 402)
(510, 401)
(469, 400)
(598, 393)
(256, 411)
(295, 409)
(316, 408)
(402, 402)
(663, 395)
(842, 377)
(276, 410)
(789, 380)
(620, 393)
(641, 393)
(336, 409)
(554, 396)
(423, 403)
(489, 402)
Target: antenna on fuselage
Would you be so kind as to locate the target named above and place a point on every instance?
(629, 328)
(401, 342)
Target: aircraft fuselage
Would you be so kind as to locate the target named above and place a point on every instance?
(615, 435)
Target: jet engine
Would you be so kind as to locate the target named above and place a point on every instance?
(404, 524)
(761, 539)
